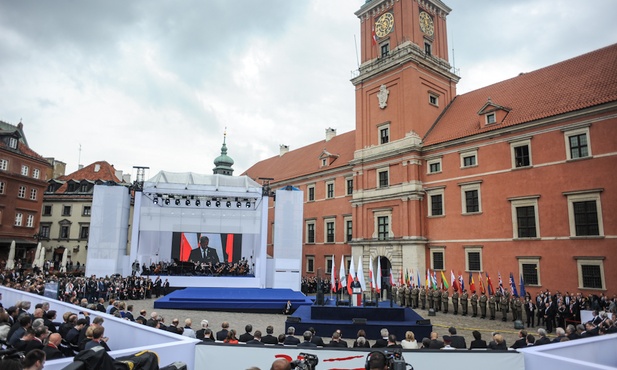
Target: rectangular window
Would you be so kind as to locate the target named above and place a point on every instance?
(311, 193)
(2, 187)
(383, 178)
(591, 276)
(36, 173)
(348, 230)
(437, 258)
(310, 232)
(434, 165)
(19, 217)
(4, 164)
(384, 135)
(84, 232)
(25, 170)
(522, 157)
(585, 213)
(383, 227)
(471, 197)
(530, 273)
(490, 118)
(44, 231)
(83, 188)
(22, 192)
(349, 190)
(87, 211)
(469, 158)
(591, 272)
(30, 221)
(474, 260)
(385, 49)
(330, 190)
(328, 264)
(469, 161)
(436, 205)
(12, 143)
(64, 231)
(433, 99)
(577, 143)
(33, 193)
(310, 264)
(66, 210)
(428, 48)
(526, 220)
(329, 231)
(47, 210)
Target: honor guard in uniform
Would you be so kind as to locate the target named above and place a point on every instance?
(513, 299)
(414, 297)
(422, 296)
(429, 297)
(401, 295)
(474, 304)
(483, 301)
(464, 298)
(504, 308)
(396, 295)
(407, 296)
(455, 302)
(518, 308)
(437, 299)
(444, 300)
(492, 306)
(498, 300)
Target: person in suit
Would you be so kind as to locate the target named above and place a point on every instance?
(199, 334)
(477, 342)
(543, 339)
(336, 341)
(457, 341)
(522, 341)
(247, 335)
(290, 340)
(316, 338)
(269, 338)
(204, 254)
(208, 335)
(256, 339)
(383, 341)
(51, 349)
(435, 342)
(222, 334)
(530, 309)
(307, 340)
(392, 342)
(362, 343)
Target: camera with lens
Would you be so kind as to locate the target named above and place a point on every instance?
(305, 361)
(395, 360)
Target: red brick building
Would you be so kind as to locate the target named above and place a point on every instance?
(517, 177)
(22, 183)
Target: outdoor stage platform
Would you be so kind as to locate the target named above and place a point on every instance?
(233, 299)
(328, 318)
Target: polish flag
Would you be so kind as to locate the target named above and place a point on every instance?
(371, 275)
(333, 275)
(374, 36)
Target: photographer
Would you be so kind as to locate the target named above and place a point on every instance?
(377, 361)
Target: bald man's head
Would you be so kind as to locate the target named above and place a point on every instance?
(280, 364)
(55, 338)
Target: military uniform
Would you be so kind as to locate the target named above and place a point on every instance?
(414, 297)
(483, 301)
(429, 298)
(444, 300)
(504, 308)
(407, 296)
(464, 307)
(492, 305)
(455, 302)
(518, 308)
(437, 299)
(474, 304)
(399, 293)
(512, 308)
(423, 298)
(498, 296)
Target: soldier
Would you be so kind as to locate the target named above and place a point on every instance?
(414, 297)
(422, 296)
(504, 308)
(498, 300)
(455, 302)
(492, 305)
(512, 308)
(483, 301)
(474, 304)
(398, 293)
(429, 297)
(464, 302)
(437, 299)
(407, 296)
(518, 308)
(444, 300)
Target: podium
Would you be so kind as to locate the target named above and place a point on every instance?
(356, 296)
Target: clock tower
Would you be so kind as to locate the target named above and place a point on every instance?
(402, 86)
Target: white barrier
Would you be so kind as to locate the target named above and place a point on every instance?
(125, 337)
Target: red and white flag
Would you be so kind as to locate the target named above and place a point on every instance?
(351, 277)
(373, 36)
(371, 275)
(333, 276)
(342, 282)
(378, 278)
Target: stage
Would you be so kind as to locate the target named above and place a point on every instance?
(233, 299)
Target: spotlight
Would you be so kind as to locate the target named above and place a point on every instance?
(218, 203)
(188, 202)
(167, 201)
(228, 204)
(197, 202)
(208, 203)
(238, 204)
(177, 202)
(248, 204)
(155, 200)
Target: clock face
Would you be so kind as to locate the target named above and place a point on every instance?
(426, 24)
(384, 24)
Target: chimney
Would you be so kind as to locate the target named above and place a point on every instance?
(283, 149)
(118, 174)
(330, 133)
(126, 178)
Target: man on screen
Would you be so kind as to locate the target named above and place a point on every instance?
(204, 253)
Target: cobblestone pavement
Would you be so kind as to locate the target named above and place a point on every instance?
(441, 322)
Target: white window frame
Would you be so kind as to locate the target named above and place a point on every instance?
(383, 126)
(524, 202)
(467, 154)
(432, 96)
(596, 261)
(379, 171)
(4, 164)
(430, 162)
(568, 134)
(518, 144)
(25, 170)
(2, 187)
(476, 185)
(473, 249)
(30, 221)
(530, 261)
(333, 190)
(33, 194)
(376, 215)
(442, 250)
(19, 217)
(88, 209)
(306, 228)
(312, 259)
(429, 194)
(325, 230)
(36, 173)
(488, 116)
(584, 196)
(21, 192)
(13, 143)
(308, 193)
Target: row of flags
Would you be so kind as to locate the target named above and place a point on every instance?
(457, 283)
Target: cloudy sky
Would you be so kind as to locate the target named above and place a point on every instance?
(155, 83)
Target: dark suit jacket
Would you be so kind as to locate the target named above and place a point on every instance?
(380, 343)
(291, 341)
(52, 353)
(436, 344)
(210, 255)
(221, 335)
(541, 341)
(478, 343)
(521, 343)
(254, 342)
(269, 339)
(458, 342)
(245, 337)
(336, 344)
(317, 340)
(307, 344)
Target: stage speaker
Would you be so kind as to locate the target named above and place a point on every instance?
(423, 322)
(431, 312)
(293, 319)
(518, 324)
(319, 300)
(370, 303)
(359, 321)
(342, 303)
